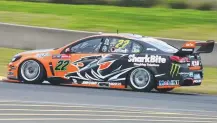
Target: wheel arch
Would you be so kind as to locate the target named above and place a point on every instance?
(19, 67)
(150, 70)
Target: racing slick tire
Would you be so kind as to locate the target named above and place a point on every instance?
(164, 90)
(141, 79)
(32, 72)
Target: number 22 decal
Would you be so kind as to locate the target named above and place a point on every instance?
(122, 43)
(62, 64)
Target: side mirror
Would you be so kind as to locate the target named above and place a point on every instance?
(67, 51)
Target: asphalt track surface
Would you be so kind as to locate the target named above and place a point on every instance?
(28, 103)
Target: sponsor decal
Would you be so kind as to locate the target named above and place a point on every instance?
(89, 83)
(174, 70)
(184, 74)
(107, 42)
(104, 49)
(191, 74)
(146, 64)
(195, 63)
(187, 74)
(147, 59)
(58, 56)
(41, 55)
(168, 82)
(197, 81)
(188, 50)
(61, 56)
(65, 56)
(151, 49)
(189, 44)
(112, 83)
(101, 84)
(197, 76)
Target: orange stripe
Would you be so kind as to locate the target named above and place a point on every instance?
(189, 44)
(10, 80)
(195, 68)
(117, 86)
(105, 65)
(169, 86)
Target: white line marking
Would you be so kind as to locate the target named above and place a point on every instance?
(96, 108)
(83, 110)
(101, 119)
(108, 115)
(114, 106)
(108, 111)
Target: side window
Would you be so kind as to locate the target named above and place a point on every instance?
(118, 45)
(89, 46)
(136, 48)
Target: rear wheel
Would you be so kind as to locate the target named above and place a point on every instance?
(140, 79)
(164, 90)
(32, 71)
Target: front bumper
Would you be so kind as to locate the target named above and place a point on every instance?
(10, 80)
(12, 71)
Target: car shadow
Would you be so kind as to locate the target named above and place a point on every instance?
(101, 88)
(130, 90)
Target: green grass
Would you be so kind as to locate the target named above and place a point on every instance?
(6, 55)
(161, 22)
(209, 85)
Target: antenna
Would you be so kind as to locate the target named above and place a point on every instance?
(117, 31)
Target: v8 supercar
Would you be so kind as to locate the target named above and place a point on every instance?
(113, 61)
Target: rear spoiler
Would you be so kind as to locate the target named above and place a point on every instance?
(190, 47)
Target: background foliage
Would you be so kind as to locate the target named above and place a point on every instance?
(175, 4)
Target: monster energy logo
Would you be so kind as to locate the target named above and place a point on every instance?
(174, 69)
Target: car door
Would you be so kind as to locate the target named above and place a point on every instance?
(118, 50)
(84, 57)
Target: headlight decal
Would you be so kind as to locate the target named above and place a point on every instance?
(15, 58)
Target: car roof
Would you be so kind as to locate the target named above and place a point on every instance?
(126, 35)
(132, 37)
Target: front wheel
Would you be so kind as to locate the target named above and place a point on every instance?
(140, 79)
(32, 71)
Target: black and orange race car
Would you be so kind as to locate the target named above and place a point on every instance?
(113, 61)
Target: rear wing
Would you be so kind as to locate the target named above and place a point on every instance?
(200, 47)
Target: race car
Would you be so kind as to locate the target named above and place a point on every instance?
(113, 61)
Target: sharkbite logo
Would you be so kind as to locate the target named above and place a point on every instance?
(174, 70)
(147, 59)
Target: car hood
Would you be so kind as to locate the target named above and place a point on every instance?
(36, 51)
